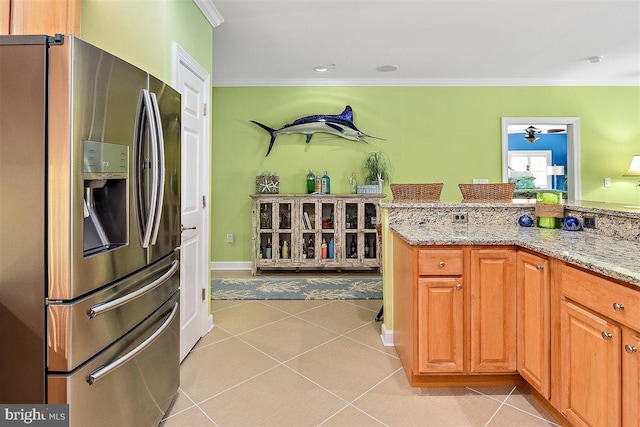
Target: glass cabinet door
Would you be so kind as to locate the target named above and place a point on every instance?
(284, 231)
(266, 216)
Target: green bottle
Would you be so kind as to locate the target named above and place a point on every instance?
(311, 182)
(326, 183)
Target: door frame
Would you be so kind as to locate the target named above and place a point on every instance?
(181, 59)
(573, 147)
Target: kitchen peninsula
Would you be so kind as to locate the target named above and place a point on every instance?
(488, 302)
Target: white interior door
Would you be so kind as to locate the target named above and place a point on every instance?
(192, 81)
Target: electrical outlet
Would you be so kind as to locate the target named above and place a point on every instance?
(480, 181)
(607, 182)
(459, 217)
(230, 238)
(589, 221)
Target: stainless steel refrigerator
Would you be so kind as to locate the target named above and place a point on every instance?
(90, 232)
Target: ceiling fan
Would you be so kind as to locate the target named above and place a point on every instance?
(531, 131)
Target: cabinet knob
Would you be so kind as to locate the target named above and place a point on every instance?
(618, 306)
(630, 348)
(539, 267)
(459, 286)
(441, 264)
(606, 335)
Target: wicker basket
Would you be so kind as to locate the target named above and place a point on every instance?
(473, 192)
(406, 193)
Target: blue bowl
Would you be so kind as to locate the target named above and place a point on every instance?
(571, 223)
(525, 221)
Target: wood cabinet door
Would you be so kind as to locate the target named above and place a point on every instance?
(5, 17)
(440, 328)
(590, 371)
(493, 310)
(534, 330)
(630, 378)
(45, 17)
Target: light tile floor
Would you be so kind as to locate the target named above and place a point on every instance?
(321, 363)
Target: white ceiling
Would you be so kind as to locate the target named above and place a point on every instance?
(432, 42)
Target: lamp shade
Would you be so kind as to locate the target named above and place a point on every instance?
(634, 167)
(555, 170)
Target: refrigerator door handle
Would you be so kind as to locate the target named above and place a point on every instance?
(103, 371)
(159, 184)
(146, 120)
(108, 306)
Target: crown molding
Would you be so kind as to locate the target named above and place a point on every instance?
(210, 12)
(419, 82)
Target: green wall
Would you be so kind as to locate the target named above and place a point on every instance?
(142, 32)
(433, 134)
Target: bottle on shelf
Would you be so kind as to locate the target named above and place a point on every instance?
(331, 248)
(311, 252)
(305, 249)
(366, 248)
(324, 248)
(353, 183)
(311, 182)
(326, 183)
(285, 250)
(267, 249)
(354, 250)
(318, 186)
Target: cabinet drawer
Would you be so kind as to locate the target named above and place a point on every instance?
(605, 297)
(440, 262)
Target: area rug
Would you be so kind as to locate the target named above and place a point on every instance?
(272, 288)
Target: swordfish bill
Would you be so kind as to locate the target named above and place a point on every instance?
(340, 125)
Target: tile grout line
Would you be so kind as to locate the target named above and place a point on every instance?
(351, 404)
(237, 336)
(505, 402)
(499, 407)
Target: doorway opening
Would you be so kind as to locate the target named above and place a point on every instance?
(571, 178)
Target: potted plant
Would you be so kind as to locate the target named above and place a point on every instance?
(377, 168)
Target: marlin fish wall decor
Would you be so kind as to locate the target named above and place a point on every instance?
(340, 125)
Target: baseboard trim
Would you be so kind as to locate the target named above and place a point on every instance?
(209, 324)
(230, 265)
(386, 337)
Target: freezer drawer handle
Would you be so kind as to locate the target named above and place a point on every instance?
(106, 370)
(107, 306)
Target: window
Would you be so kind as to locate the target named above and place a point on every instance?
(534, 161)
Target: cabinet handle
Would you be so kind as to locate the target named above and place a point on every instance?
(618, 306)
(441, 264)
(630, 348)
(606, 335)
(459, 286)
(539, 267)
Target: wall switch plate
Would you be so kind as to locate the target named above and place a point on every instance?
(480, 181)
(589, 221)
(459, 217)
(230, 238)
(607, 182)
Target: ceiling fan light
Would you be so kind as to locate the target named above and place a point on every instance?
(531, 138)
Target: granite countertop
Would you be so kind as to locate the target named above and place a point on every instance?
(616, 209)
(615, 258)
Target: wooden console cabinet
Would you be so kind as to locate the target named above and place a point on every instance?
(289, 231)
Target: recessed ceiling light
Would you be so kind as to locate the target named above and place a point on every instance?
(324, 68)
(594, 59)
(386, 68)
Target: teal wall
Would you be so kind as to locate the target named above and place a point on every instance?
(433, 134)
(142, 32)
